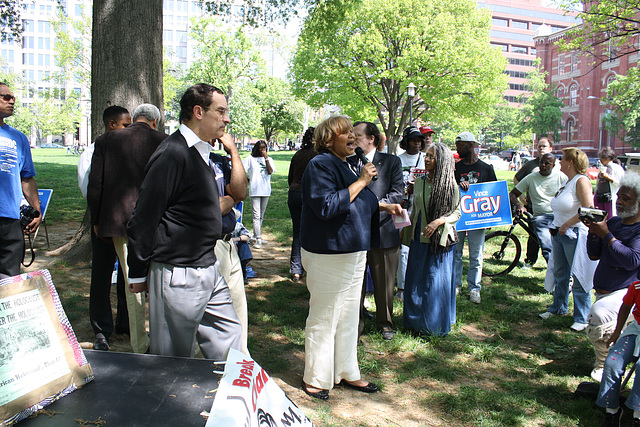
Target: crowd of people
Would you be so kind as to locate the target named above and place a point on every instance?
(163, 206)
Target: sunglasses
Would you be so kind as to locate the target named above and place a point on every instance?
(7, 97)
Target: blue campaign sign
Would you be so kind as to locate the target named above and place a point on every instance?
(484, 205)
(45, 198)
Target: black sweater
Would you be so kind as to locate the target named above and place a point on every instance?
(177, 217)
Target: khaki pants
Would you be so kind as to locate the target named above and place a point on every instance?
(135, 302)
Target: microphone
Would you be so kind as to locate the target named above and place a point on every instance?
(363, 159)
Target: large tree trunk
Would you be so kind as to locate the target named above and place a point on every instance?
(126, 70)
(126, 58)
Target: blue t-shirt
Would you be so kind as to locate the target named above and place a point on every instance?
(15, 163)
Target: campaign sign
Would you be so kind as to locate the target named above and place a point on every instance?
(249, 397)
(484, 205)
(45, 198)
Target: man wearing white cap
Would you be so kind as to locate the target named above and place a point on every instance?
(471, 170)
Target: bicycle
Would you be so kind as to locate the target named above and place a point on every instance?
(502, 249)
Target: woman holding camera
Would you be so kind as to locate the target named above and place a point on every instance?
(569, 255)
(339, 224)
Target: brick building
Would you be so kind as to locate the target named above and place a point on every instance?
(581, 81)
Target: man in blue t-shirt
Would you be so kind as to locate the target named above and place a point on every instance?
(16, 179)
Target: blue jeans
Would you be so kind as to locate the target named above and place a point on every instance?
(564, 247)
(476, 245)
(620, 355)
(540, 225)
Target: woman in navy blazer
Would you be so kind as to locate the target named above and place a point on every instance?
(339, 225)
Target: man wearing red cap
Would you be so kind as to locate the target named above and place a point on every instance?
(428, 133)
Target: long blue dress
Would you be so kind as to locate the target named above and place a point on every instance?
(429, 290)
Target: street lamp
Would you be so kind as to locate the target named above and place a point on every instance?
(411, 92)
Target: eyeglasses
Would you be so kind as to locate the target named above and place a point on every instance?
(7, 97)
(222, 111)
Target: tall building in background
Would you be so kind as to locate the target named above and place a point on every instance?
(34, 57)
(514, 26)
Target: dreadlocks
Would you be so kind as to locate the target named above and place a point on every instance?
(442, 201)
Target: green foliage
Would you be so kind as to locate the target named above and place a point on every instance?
(504, 126)
(279, 110)
(173, 85)
(245, 112)
(225, 57)
(624, 96)
(541, 111)
(10, 22)
(72, 48)
(362, 56)
(48, 115)
(609, 28)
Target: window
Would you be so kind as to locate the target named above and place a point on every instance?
(28, 25)
(613, 52)
(78, 10)
(27, 42)
(518, 49)
(500, 46)
(573, 95)
(535, 26)
(517, 74)
(168, 36)
(511, 98)
(574, 61)
(44, 43)
(516, 86)
(532, 50)
(560, 92)
(44, 27)
(570, 126)
(7, 54)
(560, 64)
(517, 61)
(520, 25)
(28, 58)
(554, 28)
(500, 22)
(168, 5)
(181, 36)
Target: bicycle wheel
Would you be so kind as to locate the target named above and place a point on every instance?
(501, 253)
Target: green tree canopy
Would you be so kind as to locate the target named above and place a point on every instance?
(362, 56)
(279, 110)
(225, 56)
(623, 94)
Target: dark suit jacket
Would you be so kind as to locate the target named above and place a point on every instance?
(388, 188)
(117, 170)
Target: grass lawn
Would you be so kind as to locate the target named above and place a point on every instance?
(499, 366)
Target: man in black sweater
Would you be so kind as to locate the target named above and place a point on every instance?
(172, 233)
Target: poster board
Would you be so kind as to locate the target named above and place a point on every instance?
(45, 197)
(248, 396)
(40, 358)
(484, 205)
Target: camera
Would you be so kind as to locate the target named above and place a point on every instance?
(594, 215)
(27, 214)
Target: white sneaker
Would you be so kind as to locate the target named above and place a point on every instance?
(257, 244)
(526, 266)
(262, 241)
(578, 327)
(546, 315)
(474, 296)
(596, 374)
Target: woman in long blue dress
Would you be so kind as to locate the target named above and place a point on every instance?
(429, 293)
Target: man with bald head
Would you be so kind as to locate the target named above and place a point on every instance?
(117, 169)
(541, 187)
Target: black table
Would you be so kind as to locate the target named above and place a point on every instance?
(138, 390)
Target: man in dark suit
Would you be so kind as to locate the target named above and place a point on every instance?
(173, 230)
(383, 261)
(117, 169)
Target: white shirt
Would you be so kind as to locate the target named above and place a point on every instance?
(204, 148)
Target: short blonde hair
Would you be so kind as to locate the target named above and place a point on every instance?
(326, 131)
(578, 159)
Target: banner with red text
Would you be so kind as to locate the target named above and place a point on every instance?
(248, 396)
(484, 205)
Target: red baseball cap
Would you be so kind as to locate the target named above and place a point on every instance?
(425, 130)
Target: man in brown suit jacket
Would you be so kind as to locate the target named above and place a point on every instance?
(117, 170)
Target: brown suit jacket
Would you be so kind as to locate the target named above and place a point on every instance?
(117, 169)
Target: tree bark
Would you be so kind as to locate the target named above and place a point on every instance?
(126, 70)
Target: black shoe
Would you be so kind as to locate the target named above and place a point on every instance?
(369, 388)
(322, 394)
(388, 335)
(367, 315)
(613, 420)
(100, 343)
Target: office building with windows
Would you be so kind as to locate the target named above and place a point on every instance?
(514, 26)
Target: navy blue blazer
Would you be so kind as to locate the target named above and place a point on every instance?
(330, 223)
